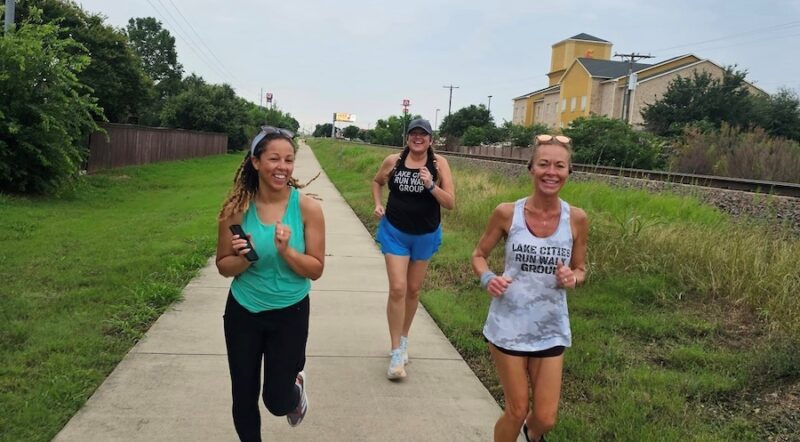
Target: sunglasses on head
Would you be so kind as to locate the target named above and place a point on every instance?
(268, 130)
(550, 139)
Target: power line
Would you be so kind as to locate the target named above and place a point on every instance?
(737, 35)
(200, 39)
(187, 41)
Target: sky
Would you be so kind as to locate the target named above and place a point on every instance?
(364, 57)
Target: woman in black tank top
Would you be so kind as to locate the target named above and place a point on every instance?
(420, 183)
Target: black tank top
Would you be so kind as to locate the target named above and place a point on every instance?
(411, 208)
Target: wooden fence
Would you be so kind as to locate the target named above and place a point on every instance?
(126, 145)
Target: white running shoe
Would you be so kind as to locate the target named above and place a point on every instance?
(397, 369)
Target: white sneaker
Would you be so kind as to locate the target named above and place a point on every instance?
(404, 348)
(397, 369)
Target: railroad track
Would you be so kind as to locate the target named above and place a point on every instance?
(717, 182)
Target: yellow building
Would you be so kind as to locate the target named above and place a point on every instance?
(584, 80)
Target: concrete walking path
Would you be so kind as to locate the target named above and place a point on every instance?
(174, 384)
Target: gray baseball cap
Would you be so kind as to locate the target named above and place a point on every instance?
(420, 123)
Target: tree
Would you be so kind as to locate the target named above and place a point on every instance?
(702, 98)
(474, 136)
(390, 131)
(612, 142)
(351, 132)
(114, 73)
(779, 114)
(155, 46)
(323, 130)
(209, 107)
(521, 135)
(45, 112)
(471, 116)
(260, 116)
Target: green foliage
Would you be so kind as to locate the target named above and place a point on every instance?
(72, 304)
(521, 135)
(729, 151)
(702, 97)
(474, 136)
(45, 112)
(390, 131)
(779, 114)
(155, 46)
(464, 118)
(611, 142)
(115, 73)
(209, 107)
(271, 116)
(351, 132)
(323, 130)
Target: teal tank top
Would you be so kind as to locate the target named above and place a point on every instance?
(269, 283)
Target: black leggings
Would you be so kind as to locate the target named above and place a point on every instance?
(279, 338)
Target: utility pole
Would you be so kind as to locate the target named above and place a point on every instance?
(489, 108)
(450, 103)
(626, 100)
(9, 16)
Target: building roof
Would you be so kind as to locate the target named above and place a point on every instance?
(609, 68)
(547, 89)
(587, 37)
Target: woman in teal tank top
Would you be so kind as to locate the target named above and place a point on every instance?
(266, 315)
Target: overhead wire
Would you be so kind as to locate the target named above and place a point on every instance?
(189, 43)
(202, 42)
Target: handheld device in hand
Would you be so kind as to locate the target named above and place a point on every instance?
(236, 229)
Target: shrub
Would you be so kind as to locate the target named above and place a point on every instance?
(45, 112)
(731, 152)
(474, 136)
(611, 142)
(522, 136)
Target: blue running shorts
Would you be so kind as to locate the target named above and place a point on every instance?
(417, 247)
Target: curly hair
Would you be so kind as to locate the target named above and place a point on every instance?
(245, 182)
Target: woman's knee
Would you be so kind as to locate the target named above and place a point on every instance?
(545, 420)
(280, 406)
(397, 292)
(517, 410)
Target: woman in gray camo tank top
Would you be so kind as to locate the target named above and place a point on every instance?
(527, 328)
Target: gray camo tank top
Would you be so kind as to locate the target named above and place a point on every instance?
(532, 314)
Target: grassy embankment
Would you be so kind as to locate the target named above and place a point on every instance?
(686, 330)
(85, 275)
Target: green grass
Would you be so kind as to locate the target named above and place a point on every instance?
(86, 274)
(687, 329)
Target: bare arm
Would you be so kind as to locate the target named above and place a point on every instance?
(497, 228)
(445, 192)
(229, 261)
(311, 263)
(570, 277)
(380, 180)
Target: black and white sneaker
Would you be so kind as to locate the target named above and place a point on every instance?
(295, 417)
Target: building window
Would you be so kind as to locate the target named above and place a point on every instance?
(547, 109)
(564, 105)
(572, 104)
(583, 103)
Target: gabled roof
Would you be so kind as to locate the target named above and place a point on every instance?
(587, 37)
(547, 89)
(609, 68)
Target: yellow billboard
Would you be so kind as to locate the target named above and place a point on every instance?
(348, 118)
